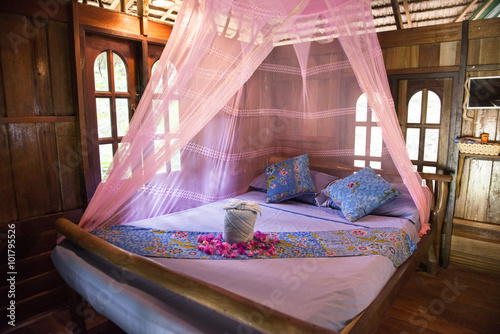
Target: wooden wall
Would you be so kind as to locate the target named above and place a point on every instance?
(436, 51)
(41, 160)
(476, 233)
(39, 156)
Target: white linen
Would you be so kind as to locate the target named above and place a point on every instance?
(328, 292)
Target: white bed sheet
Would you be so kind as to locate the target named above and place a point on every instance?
(328, 292)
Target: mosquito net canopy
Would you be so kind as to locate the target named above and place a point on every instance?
(240, 81)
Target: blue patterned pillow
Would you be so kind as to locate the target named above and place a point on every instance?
(359, 194)
(288, 179)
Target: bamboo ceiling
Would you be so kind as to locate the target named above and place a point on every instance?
(388, 14)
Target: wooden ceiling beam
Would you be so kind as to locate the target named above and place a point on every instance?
(397, 14)
(169, 11)
(468, 9)
(485, 6)
(407, 12)
(143, 12)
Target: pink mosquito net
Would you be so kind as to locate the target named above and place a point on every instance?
(241, 81)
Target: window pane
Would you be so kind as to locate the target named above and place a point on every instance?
(106, 157)
(360, 140)
(173, 115)
(122, 118)
(159, 87)
(120, 74)
(376, 142)
(376, 164)
(122, 149)
(431, 144)
(103, 117)
(101, 72)
(160, 128)
(433, 109)
(429, 169)
(160, 145)
(412, 142)
(154, 67)
(415, 108)
(171, 73)
(361, 108)
(359, 163)
(175, 162)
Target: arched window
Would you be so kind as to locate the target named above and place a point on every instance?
(113, 100)
(422, 130)
(172, 121)
(368, 136)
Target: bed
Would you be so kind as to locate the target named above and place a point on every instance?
(325, 294)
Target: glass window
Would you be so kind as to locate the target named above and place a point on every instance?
(429, 169)
(106, 157)
(360, 140)
(103, 108)
(367, 135)
(413, 142)
(173, 116)
(112, 112)
(423, 129)
(433, 109)
(120, 74)
(431, 144)
(361, 109)
(101, 73)
(376, 142)
(360, 163)
(415, 108)
(122, 116)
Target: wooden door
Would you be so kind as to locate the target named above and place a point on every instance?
(424, 107)
(111, 84)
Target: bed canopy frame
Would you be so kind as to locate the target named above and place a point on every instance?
(241, 82)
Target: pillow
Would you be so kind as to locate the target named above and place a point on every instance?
(320, 180)
(359, 194)
(402, 206)
(288, 179)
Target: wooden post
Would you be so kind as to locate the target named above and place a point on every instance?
(76, 305)
(456, 125)
(143, 12)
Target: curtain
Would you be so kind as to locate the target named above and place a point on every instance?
(241, 81)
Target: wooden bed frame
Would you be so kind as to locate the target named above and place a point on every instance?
(238, 307)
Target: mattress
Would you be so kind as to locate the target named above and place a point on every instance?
(328, 292)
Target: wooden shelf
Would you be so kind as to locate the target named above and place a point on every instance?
(472, 156)
(480, 156)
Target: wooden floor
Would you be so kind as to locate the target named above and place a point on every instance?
(456, 301)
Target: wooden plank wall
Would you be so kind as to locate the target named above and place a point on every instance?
(476, 233)
(325, 91)
(41, 163)
(476, 222)
(39, 156)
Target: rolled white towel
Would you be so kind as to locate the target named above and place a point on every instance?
(239, 220)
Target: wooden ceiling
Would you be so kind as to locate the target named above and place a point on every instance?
(388, 14)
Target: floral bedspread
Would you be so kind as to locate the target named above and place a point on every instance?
(392, 243)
